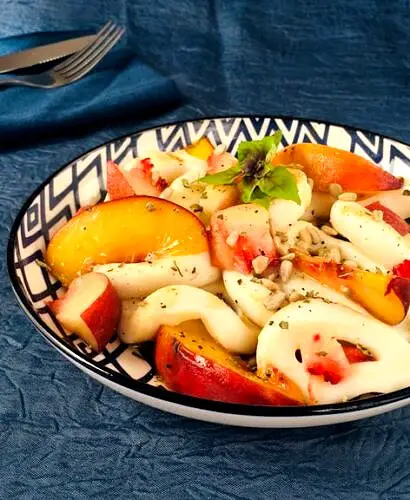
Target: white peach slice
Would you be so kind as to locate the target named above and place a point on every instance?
(294, 325)
(142, 278)
(173, 305)
(239, 234)
(375, 238)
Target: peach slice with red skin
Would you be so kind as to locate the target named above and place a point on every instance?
(117, 185)
(327, 165)
(219, 162)
(140, 178)
(390, 217)
(402, 270)
(191, 362)
(123, 231)
(238, 235)
(123, 182)
(91, 308)
(385, 297)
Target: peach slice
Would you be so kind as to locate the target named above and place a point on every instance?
(117, 185)
(138, 173)
(124, 231)
(91, 308)
(385, 297)
(215, 198)
(192, 363)
(201, 149)
(396, 200)
(219, 162)
(390, 217)
(239, 234)
(326, 165)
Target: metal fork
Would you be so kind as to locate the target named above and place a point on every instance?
(76, 66)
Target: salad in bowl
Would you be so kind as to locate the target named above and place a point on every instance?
(276, 276)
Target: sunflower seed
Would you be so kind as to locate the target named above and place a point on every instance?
(232, 238)
(314, 234)
(274, 301)
(347, 197)
(281, 248)
(305, 236)
(335, 190)
(260, 263)
(329, 230)
(288, 256)
(269, 284)
(285, 270)
(303, 246)
(295, 296)
(334, 254)
(377, 215)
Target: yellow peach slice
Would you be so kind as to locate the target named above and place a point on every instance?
(201, 149)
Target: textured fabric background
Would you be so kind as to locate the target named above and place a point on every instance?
(63, 435)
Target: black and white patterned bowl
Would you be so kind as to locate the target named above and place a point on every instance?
(124, 368)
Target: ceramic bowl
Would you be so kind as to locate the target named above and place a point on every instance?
(127, 369)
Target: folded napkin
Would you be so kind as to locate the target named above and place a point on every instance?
(119, 87)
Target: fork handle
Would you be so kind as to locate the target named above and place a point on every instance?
(13, 82)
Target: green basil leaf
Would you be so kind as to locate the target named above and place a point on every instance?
(259, 148)
(271, 153)
(225, 177)
(246, 188)
(280, 183)
(260, 198)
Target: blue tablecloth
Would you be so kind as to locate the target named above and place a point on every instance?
(62, 435)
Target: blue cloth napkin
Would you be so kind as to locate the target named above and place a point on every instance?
(120, 87)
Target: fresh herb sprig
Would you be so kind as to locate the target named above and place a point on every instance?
(257, 179)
